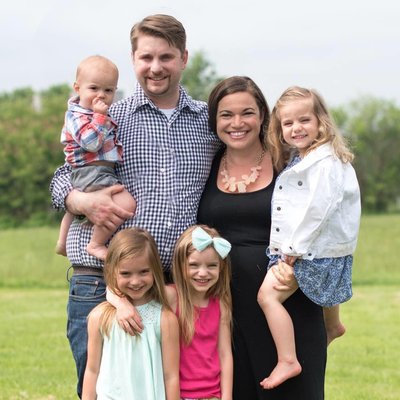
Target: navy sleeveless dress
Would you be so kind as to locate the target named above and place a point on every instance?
(245, 220)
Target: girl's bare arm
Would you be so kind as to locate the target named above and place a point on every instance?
(225, 355)
(170, 354)
(95, 348)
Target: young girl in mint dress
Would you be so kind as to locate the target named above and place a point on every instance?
(145, 366)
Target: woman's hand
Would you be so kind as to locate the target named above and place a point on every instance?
(284, 273)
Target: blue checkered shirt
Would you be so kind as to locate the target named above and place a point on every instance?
(166, 165)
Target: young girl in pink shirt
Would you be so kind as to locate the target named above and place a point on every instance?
(201, 299)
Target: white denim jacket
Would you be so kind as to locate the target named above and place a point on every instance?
(316, 208)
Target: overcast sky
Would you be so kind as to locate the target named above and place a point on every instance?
(342, 48)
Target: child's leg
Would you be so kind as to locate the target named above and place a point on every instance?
(61, 246)
(96, 247)
(281, 327)
(334, 327)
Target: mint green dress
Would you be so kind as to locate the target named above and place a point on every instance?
(131, 366)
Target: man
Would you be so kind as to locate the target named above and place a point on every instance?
(168, 151)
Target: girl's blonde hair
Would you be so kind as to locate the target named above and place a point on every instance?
(221, 290)
(328, 132)
(126, 244)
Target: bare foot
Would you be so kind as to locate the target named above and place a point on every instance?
(97, 250)
(61, 249)
(334, 332)
(281, 373)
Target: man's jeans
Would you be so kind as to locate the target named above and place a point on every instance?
(85, 293)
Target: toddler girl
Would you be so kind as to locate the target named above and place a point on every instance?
(315, 220)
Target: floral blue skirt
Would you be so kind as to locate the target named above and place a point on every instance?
(325, 281)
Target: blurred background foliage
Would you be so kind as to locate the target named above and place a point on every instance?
(30, 151)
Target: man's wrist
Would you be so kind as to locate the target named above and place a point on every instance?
(71, 205)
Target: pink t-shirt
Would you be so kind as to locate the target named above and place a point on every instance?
(200, 369)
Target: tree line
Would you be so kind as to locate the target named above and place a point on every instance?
(30, 151)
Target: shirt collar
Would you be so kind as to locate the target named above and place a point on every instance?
(321, 152)
(73, 105)
(140, 99)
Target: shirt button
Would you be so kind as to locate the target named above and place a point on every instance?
(280, 187)
(162, 170)
(309, 254)
(169, 224)
(300, 183)
(276, 249)
(277, 229)
(278, 208)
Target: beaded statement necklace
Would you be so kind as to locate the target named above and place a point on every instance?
(230, 183)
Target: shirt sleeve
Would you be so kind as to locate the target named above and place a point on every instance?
(60, 187)
(89, 132)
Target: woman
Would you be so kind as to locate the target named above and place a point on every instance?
(236, 201)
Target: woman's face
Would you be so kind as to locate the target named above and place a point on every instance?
(239, 120)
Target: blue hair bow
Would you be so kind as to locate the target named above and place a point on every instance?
(201, 240)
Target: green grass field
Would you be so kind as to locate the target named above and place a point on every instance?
(36, 363)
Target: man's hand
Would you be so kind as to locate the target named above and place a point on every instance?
(98, 207)
(284, 273)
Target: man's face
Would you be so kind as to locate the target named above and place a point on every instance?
(159, 68)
